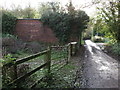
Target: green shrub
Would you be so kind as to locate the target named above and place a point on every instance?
(8, 22)
(7, 59)
(7, 72)
(116, 48)
(9, 35)
(63, 24)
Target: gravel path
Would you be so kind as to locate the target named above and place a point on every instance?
(99, 70)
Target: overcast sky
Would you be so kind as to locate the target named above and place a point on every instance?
(34, 3)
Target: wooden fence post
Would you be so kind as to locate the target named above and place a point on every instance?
(69, 51)
(76, 48)
(73, 48)
(48, 60)
(11, 72)
(15, 72)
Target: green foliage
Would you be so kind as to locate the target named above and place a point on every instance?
(80, 21)
(7, 59)
(60, 24)
(46, 8)
(98, 39)
(62, 78)
(107, 19)
(8, 23)
(27, 12)
(1, 61)
(9, 36)
(8, 72)
(63, 23)
(116, 48)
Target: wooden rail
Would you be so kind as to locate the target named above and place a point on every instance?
(26, 75)
(22, 60)
(71, 48)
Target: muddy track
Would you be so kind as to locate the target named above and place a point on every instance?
(99, 69)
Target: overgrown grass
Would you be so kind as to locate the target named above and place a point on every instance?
(39, 74)
(61, 78)
(34, 63)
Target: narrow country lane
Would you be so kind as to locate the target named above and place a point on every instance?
(100, 70)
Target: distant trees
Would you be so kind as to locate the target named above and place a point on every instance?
(46, 8)
(21, 13)
(109, 19)
(29, 12)
(9, 17)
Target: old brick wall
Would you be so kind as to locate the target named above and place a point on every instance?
(33, 30)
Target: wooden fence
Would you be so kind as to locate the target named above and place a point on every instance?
(69, 50)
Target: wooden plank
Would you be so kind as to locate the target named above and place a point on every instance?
(69, 52)
(19, 61)
(8, 64)
(57, 46)
(27, 75)
(15, 73)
